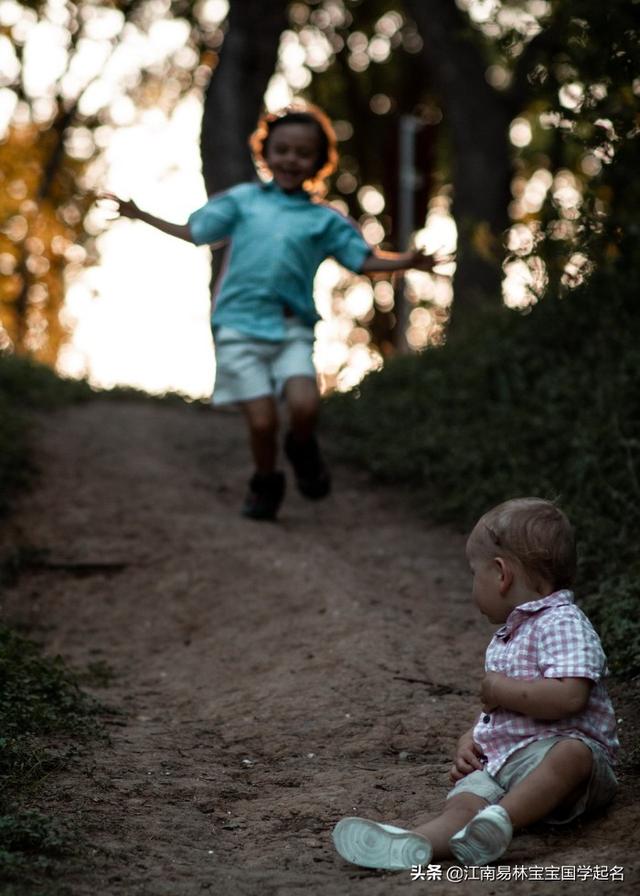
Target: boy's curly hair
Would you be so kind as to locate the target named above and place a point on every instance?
(298, 113)
(537, 534)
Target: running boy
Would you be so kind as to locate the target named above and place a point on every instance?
(277, 234)
(543, 745)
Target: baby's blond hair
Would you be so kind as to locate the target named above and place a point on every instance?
(537, 534)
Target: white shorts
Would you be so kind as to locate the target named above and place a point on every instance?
(249, 368)
(598, 793)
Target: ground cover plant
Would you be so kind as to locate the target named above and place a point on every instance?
(46, 717)
(545, 403)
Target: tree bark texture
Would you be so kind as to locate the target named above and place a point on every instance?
(234, 97)
(478, 118)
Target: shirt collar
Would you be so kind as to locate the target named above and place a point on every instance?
(272, 187)
(522, 612)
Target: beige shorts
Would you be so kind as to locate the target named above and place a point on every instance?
(249, 368)
(598, 793)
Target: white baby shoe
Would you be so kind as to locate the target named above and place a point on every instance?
(485, 838)
(375, 845)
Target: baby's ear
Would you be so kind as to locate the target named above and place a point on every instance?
(505, 572)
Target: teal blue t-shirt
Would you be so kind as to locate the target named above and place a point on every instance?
(276, 242)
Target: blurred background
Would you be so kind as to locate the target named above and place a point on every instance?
(486, 127)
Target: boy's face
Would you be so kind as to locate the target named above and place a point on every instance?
(487, 574)
(292, 155)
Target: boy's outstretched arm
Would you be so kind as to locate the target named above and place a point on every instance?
(542, 698)
(379, 261)
(128, 209)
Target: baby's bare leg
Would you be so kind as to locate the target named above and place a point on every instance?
(458, 810)
(563, 772)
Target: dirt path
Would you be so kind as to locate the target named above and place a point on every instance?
(273, 678)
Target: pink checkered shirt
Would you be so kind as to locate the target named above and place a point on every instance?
(547, 638)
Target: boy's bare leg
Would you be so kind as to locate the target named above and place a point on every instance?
(561, 776)
(303, 401)
(458, 811)
(261, 415)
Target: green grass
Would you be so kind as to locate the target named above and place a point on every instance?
(40, 696)
(545, 403)
(30, 847)
(46, 718)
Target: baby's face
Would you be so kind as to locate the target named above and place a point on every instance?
(292, 155)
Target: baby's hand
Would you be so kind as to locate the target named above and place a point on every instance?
(126, 207)
(468, 759)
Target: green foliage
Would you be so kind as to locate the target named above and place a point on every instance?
(582, 104)
(545, 403)
(30, 844)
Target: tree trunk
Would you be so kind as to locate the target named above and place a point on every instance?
(234, 97)
(478, 119)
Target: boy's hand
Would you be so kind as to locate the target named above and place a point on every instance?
(468, 758)
(126, 207)
(488, 690)
(420, 261)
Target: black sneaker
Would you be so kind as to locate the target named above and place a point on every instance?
(266, 491)
(312, 476)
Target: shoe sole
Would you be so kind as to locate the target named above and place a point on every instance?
(483, 842)
(369, 845)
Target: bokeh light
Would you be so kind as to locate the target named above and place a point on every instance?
(520, 132)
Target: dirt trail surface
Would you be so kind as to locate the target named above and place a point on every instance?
(271, 678)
